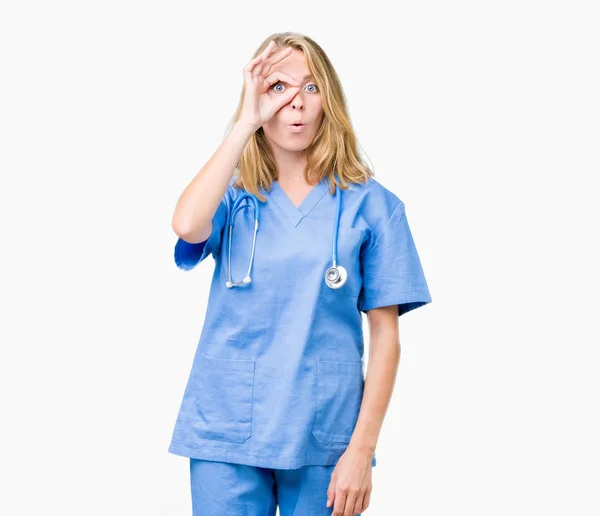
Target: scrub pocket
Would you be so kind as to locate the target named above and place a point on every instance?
(223, 391)
(340, 387)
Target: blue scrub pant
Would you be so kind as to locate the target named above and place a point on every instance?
(227, 489)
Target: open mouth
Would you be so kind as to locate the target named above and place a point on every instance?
(296, 127)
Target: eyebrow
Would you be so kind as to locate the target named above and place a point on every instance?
(309, 76)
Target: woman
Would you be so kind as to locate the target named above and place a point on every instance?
(276, 411)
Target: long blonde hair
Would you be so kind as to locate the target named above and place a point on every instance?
(334, 147)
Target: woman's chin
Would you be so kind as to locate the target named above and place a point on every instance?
(294, 145)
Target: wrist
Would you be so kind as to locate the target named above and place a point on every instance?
(245, 127)
(362, 447)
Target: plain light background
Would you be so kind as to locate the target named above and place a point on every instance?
(483, 117)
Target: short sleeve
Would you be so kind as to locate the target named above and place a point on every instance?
(391, 268)
(188, 255)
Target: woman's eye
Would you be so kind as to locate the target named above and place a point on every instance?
(281, 84)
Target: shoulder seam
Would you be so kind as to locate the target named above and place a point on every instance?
(398, 206)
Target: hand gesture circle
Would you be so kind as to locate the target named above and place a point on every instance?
(258, 107)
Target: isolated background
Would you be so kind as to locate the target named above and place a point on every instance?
(481, 116)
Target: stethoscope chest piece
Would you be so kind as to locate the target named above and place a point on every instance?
(336, 276)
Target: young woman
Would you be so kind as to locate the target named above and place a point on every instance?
(277, 411)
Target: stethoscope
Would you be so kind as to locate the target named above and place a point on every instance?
(335, 276)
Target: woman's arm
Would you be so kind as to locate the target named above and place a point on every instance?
(384, 356)
(192, 220)
(350, 486)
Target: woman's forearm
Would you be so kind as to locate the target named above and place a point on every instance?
(384, 357)
(192, 219)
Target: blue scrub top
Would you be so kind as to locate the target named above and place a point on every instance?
(278, 375)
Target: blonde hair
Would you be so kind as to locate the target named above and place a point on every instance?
(334, 147)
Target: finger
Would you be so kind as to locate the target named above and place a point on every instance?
(350, 503)
(274, 59)
(360, 504)
(279, 102)
(248, 68)
(265, 54)
(339, 503)
(277, 76)
(251, 63)
(367, 499)
(331, 492)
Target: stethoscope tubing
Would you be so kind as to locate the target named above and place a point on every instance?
(236, 207)
(335, 276)
(336, 224)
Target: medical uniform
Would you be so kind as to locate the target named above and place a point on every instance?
(226, 489)
(278, 375)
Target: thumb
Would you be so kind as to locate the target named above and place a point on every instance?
(287, 97)
(330, 493)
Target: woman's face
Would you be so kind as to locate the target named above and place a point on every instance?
(306, 106)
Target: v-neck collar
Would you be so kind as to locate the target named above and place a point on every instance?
(293, 213)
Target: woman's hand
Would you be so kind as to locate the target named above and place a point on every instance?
(258, 106)
(350, 485)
